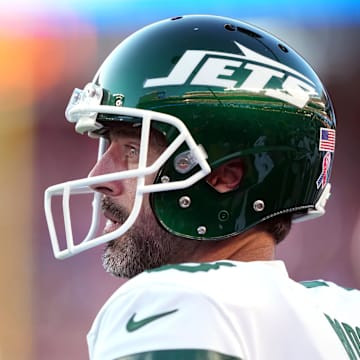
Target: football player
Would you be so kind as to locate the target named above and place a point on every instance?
(214, 137)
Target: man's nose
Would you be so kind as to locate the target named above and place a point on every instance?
(110, 162)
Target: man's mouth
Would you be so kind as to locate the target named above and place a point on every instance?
(110, 226)
(115, 215)
(111, 223)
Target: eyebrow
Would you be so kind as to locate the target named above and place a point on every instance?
(125, 129)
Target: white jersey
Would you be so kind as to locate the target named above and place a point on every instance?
(227, 310)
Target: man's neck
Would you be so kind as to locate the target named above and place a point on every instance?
(251, 246)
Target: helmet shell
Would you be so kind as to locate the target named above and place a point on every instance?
(242, 93)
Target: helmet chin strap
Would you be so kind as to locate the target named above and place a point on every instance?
(319, 208)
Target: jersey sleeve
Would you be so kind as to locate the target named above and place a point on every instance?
(162, 321)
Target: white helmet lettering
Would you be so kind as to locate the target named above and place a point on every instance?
(217, 69)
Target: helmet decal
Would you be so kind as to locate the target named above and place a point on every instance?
(296, 88)
(327, 139)
(325, 171)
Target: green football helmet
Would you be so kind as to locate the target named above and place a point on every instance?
(218, 89)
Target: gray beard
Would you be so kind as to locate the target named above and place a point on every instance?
(146, 245)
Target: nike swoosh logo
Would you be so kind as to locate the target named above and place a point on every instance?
(133, 324)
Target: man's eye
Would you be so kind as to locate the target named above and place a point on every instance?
(132, 152)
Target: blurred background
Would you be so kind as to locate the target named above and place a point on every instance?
(47, 49)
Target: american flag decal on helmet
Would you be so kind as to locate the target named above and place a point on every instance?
(327, 140)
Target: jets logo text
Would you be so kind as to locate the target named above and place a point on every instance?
(212, 68)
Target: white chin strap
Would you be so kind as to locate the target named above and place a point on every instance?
(85, 118)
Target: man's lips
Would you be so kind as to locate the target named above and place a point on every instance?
(115, 215)
(112, 223)
(110, 226)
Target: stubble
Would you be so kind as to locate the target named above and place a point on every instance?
(146, 245)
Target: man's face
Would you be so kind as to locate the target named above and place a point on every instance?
(146, 244)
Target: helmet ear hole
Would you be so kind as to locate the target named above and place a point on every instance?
(226, 177)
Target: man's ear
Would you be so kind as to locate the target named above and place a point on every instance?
(226, 177)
